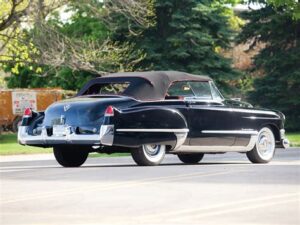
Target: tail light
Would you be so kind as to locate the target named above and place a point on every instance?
(109, 111)
(27, 112)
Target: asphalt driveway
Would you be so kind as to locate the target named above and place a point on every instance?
(222, 189)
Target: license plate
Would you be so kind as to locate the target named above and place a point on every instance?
(59, 130)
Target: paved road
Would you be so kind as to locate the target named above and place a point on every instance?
(223, 189)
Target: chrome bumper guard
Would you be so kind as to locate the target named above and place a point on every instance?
(107, 134)
(284, 141)
(70, 138)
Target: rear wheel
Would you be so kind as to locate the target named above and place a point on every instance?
(264, 148)
(190, 158)
(70, 156)
(149, 155)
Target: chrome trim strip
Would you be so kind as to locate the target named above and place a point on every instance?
(195, 99)
(261, 118)
(180, 139)
(43, 139)
(184, 130)
(214, 149)
(241, 110)
(229, 132)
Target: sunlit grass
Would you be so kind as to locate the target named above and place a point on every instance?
(10, 146)
(294, 138)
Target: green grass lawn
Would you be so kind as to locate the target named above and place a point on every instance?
(294, 139)
(9, 146)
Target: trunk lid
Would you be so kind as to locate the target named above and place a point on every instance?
(82, 112)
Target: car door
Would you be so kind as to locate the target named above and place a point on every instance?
(210, 125)
(209, 120)
(213, 122)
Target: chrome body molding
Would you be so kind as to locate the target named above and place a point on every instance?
(261, 118)
(184, 130)
(181, 137)
(107, 135)
(252, 111)
(43, 139)
(229, 132)
(216, 149)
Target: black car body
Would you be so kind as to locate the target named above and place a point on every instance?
(148, 112)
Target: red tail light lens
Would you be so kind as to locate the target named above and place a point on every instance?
(109, 111)
(28, 112)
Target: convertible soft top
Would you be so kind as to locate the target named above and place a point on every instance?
(152, 85)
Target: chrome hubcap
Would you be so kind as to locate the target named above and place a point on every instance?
(154, 153)
(265, 144)
(151, 150)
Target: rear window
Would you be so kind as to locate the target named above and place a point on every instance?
(107, 89)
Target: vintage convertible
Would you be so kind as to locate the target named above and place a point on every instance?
(150, 114)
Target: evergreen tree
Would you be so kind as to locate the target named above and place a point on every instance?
(279, 61)
(186, 36)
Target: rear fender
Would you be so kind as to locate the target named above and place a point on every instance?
(147, 125)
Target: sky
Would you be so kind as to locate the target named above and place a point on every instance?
(245, 6)
(65, 16)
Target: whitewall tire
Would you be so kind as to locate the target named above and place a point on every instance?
(149, 155)
(264, 148)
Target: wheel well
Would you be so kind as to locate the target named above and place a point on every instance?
(275, 131)
(168, 147)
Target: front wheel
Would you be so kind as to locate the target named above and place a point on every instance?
(149, 155)
(264, 148)
(69, 156)
(190, 158)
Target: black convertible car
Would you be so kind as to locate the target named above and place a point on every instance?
(150, 114)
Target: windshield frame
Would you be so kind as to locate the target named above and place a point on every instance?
(212, 87)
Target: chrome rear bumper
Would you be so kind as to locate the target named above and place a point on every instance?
(44, 139)
(107, 134)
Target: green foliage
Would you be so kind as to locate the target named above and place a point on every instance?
(82, 24)
(64, 78)
(279, 61)
(186, 36)
(291, 7)
(179, 35)
(82, 27)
